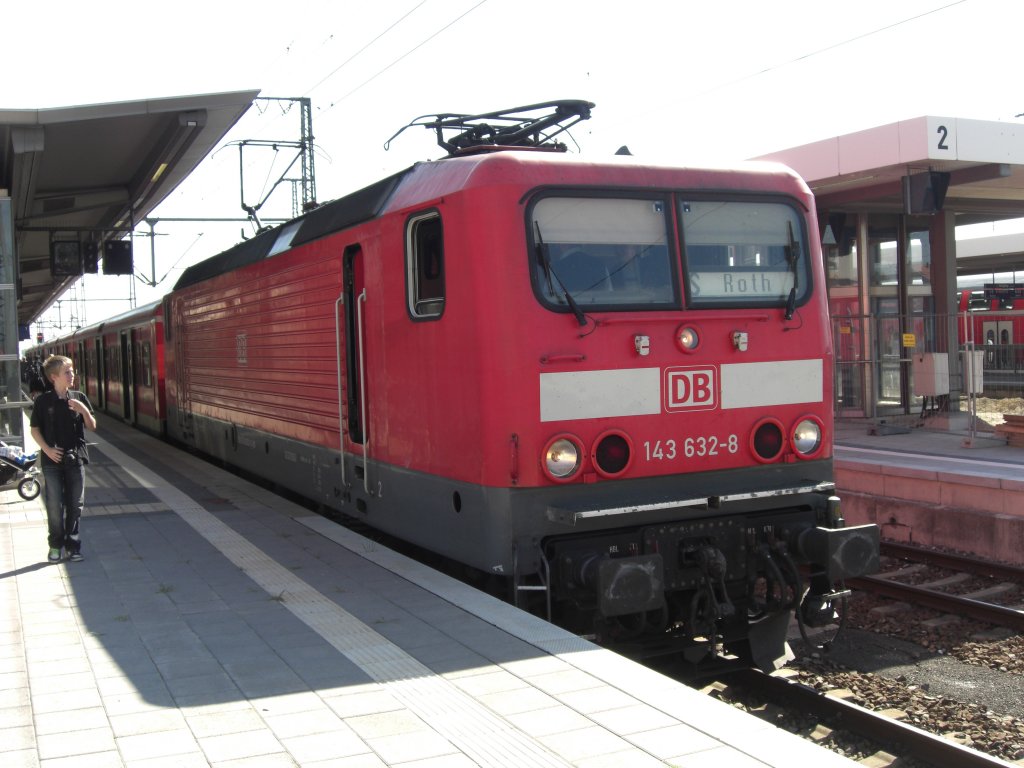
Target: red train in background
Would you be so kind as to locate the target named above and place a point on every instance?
(607, 384)
(119, 364)
(993, 318)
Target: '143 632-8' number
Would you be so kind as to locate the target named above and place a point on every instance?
(692, 447)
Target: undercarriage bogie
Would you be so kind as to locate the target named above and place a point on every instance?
(727, 583)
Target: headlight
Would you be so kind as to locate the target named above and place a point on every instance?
(687, 338)
(562, 458)
(806, 437)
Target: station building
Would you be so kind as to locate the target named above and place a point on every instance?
(890, 201)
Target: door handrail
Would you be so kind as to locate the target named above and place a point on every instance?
(341, 394)
(362, 391)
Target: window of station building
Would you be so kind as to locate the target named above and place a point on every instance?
(884, 255)
(850, 329)
(841, 256)
(883, 251)
(424, 253)
(888, 351)
(602, 252)
(928, 330)
(919, 255)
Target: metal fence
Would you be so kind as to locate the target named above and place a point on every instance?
(949, 372)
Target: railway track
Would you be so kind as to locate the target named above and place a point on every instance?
(897, 739)
(960, 562)
(932, 595)
(896, 722)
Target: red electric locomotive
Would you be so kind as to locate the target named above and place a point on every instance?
(608, 383)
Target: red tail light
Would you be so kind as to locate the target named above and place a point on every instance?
(768, 440)
(612, 454)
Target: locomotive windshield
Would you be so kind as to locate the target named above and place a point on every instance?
(603, 252)
(743, 253)
(616, 253)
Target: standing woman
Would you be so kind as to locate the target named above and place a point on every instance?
(60, 417)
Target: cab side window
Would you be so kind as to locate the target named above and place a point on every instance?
(424, 249)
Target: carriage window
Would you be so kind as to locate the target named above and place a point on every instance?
(167, 318)
(147, 379)
(602, 253)
(424, 249)
(744, 253)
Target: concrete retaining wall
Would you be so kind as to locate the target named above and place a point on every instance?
(980, 515)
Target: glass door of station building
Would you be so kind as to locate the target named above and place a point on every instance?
(878, 327)
(888, 355)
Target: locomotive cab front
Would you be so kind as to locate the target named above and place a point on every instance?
(684, 439)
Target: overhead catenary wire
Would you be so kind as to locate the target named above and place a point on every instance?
(408, 53)
(827, 48)
(347, 61)
(265, 129)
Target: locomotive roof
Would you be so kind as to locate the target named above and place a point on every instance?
(461, 172)
(344, 212)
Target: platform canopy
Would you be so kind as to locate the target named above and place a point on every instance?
(864, 171)
(88, 173)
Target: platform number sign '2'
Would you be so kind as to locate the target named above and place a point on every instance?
(943, 133)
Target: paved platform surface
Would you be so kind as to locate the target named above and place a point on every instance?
(937, 457)
(955, 451)
(214, 624)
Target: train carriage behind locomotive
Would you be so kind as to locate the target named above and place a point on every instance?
(607, 382)
(992, 320)
(119, 365)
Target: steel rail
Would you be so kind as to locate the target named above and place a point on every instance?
(998, 615)
(968, 563)
(908, 740)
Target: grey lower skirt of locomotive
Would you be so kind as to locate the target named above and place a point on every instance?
(719, 583)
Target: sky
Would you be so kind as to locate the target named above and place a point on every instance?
(676, 81)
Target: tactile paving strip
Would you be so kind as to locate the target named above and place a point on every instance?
(471, 727)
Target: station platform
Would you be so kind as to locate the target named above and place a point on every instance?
(937, 488)
(213, 623)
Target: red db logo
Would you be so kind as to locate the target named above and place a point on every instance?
(690, 389)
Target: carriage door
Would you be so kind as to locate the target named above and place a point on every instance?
(351, 376)
(101, 377)
(81, 368)
(109, 368)
(127, 390)
(137, 373)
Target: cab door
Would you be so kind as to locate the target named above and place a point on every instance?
(351, 356)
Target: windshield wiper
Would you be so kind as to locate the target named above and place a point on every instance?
(580, 317)
(549, 271)
(793, 257)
